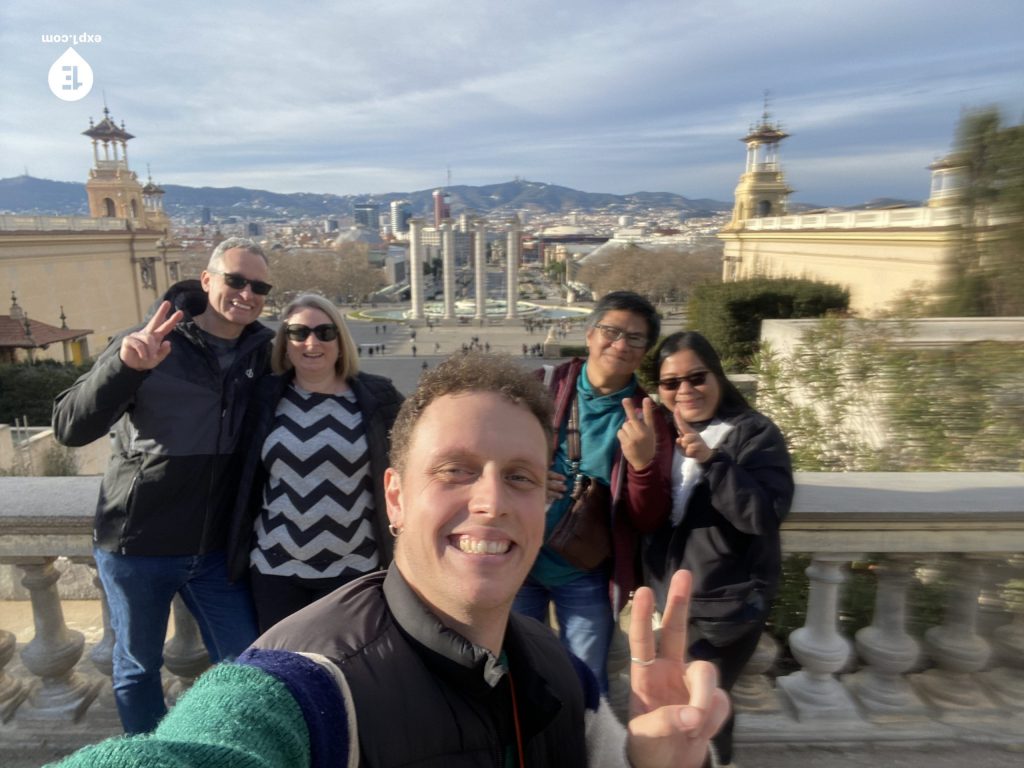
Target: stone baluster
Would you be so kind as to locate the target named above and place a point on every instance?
(813, 691)
(753, 691)
(887, 649)
(1006, 681)
(185, 655)
(104, 710)
(957, 649)
(12, 692)
(63, 694)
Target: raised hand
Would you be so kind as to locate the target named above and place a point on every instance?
(146, 348)
(689, 441)
(636, 435)
(676, 706)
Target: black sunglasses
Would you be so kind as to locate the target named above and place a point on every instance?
(694, 380)
(238, 282)
(325, 332)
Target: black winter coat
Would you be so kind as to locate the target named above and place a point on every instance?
(729, 537)
(169, 486)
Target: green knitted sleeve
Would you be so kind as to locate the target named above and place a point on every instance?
(235, 715)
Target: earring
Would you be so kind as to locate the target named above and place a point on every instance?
(394, 530)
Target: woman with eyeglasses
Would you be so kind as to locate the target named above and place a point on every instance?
(310, 514)
(732, 485)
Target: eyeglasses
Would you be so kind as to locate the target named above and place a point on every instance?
(612, 334)
(238, 282)
(694, 380)
(325, 332)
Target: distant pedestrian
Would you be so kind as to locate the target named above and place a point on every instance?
(414, 350)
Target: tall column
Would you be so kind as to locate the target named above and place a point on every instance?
(512, 269)
(887, 649)
(63, 695)
(819, 648)
(448, 268)
(480, 268)
(416, 269)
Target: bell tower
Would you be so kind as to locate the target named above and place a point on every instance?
(113, 188)
(762, 189)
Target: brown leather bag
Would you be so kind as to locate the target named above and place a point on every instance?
(583, 536)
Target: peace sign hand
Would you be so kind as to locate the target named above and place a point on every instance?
(146, 348)
(636, 436)
(676, 706)
(690, 441)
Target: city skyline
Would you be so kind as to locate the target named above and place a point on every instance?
(615, 97)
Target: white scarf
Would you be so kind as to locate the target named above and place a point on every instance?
(686, 471)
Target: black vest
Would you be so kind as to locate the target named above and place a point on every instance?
(426, 696)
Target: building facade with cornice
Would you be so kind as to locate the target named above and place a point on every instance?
(103, 272)
(880, 255)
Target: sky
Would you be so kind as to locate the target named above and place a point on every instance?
(611, 96)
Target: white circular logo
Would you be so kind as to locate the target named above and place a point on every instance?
(70, 76)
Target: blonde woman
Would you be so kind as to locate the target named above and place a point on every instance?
(310, 514)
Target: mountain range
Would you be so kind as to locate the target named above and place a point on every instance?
(29, 195)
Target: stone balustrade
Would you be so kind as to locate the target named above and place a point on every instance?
(962, 679)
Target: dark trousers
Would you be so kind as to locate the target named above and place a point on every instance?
(277, 597)
(729, 660)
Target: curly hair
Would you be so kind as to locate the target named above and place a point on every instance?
(470, 372)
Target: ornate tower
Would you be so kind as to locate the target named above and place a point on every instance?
(153, 203)
(762, 189)
(113, 188)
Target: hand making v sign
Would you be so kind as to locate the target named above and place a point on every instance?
(147, 347)
(676, 706)
(690, 441)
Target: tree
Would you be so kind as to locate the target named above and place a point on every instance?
(337, 273)
(662, 275)
(985, 274)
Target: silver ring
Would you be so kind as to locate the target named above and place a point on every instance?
(641, 662)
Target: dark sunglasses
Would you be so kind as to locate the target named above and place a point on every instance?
(694, 380)
(325, 332)
(238, 282)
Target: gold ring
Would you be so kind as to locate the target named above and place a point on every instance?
(641, 662)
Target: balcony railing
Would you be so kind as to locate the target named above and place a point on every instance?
(963, 680)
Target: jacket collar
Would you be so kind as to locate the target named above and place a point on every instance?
(473, 669)
(473, 665)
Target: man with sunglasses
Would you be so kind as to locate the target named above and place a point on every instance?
(173, 393)
(617, 438)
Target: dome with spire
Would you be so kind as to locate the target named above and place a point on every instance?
(107, 129)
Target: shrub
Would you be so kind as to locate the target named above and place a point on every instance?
(730, 314)
(27, 390)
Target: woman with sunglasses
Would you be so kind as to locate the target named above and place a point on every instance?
(310, 514)
(732, 485)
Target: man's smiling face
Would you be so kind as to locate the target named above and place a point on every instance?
(470, 503)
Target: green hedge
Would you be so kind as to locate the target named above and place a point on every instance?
(27, 390)
(730, 314)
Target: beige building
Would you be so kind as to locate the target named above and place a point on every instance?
(102, 272)
(879, 255)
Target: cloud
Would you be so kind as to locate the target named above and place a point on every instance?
(605, 95)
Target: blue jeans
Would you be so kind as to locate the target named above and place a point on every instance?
(584, 615)
(139, 591)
